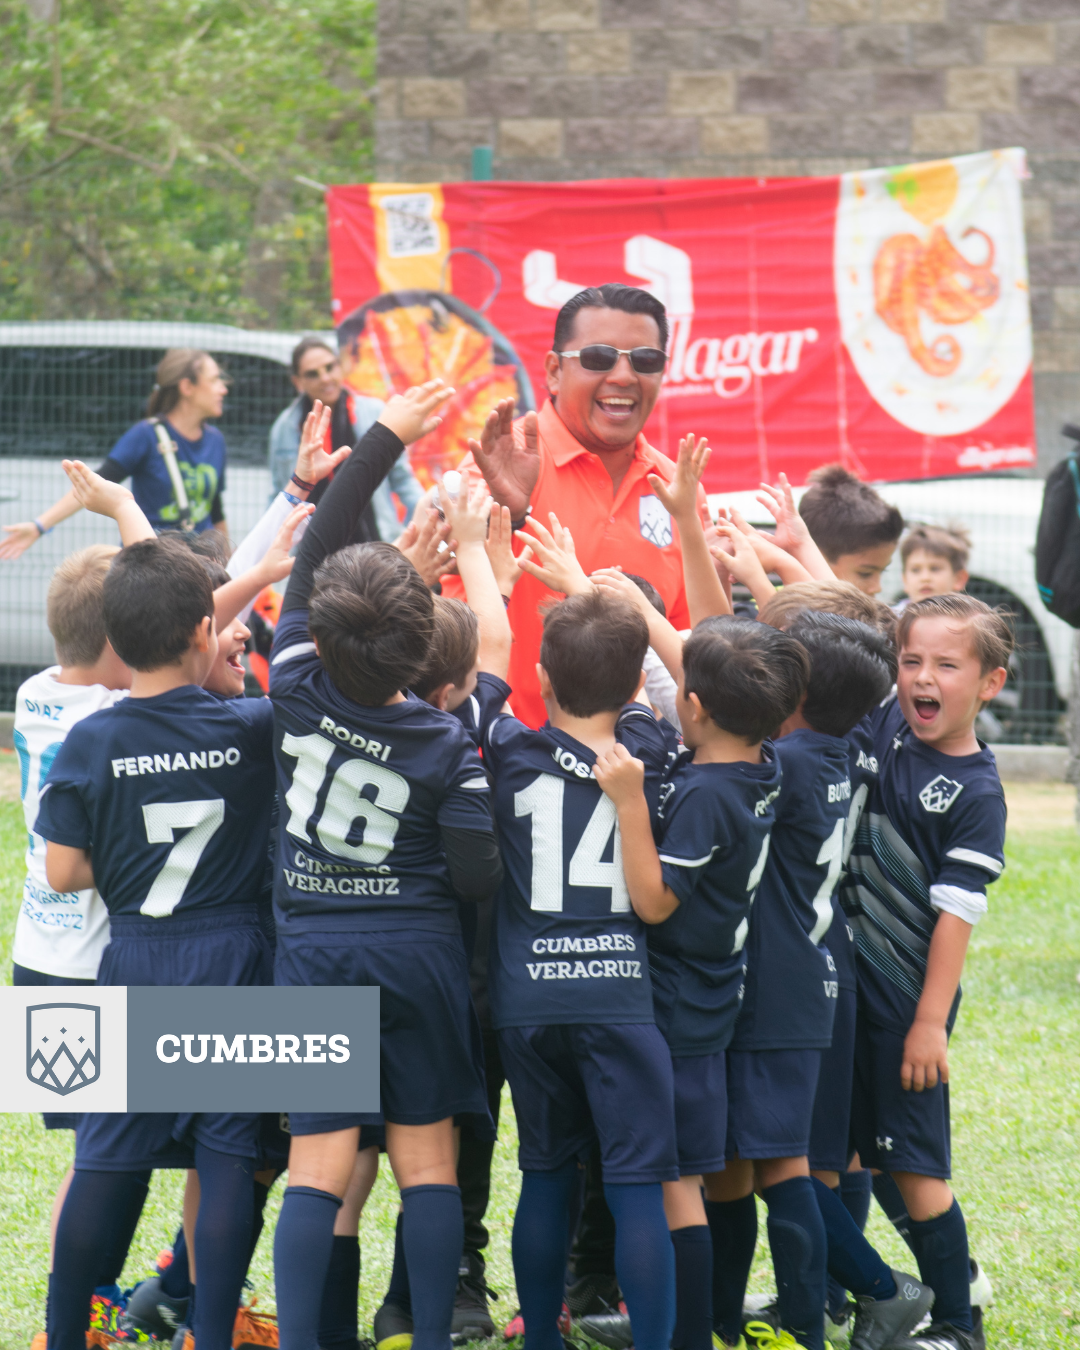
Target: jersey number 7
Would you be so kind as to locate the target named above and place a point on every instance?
(202, 820)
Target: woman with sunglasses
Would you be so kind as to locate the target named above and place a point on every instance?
(189, 390)
(316, 374)
(585, 458)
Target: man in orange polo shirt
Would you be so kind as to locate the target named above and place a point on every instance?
(585, 458)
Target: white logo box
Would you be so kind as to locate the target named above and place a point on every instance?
(63, 1048)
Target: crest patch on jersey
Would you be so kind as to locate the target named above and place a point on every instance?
(940, 793)
(654, 521)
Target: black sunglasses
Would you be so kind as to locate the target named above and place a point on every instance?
(599, 356)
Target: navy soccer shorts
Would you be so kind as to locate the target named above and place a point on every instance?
(222, 946)
(830, 1129)
(771, 1102)
(431, 1062)
(577, 1084)
(894, 1130)
(701, 1108)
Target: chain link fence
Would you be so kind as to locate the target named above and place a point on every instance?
(71, 389)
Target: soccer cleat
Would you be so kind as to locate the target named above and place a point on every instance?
(982, 1291)
(40, 1341)
(516, 1326)
(884, 1322)
(767, 1337)
(393, 1327)
(942, 1336)
(592, 1293)
(106, 1309)
(471, 1320)
(761, 1308)
(151, 1314)
(978, 1332)
(99, 1340)
(611, 1328)
(720, 1344)
(184, 1339)
(254, 1331)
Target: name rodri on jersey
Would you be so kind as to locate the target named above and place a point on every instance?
(361, 793)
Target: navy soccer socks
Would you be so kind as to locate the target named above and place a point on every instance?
(115, 1254)
(432, 1231)
(940, 1245)
(855, 1192)
(222, 1243)
(337, 1316)
(799, 1252)
(852, 1261)
(887, 1194)
(693, 1288)
(303, 1246)
(733, 1227)
(540, 1245)
(176, 1278)
(397, 1291)
(644, 1261)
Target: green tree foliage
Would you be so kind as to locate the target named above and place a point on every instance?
(149, 151)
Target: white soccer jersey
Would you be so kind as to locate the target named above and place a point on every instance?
(58, 934)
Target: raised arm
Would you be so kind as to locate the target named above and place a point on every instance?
(467, 515)
(664, 639)
(405, 418)
(743, 563)
(235, 598)
(705, 594)
(23, 533)
(791, 532)
(105, 498)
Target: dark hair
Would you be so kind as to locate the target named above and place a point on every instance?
(454, 646)
(992, 636)
(592, 650)
(612, 295)
(214, 570)
(843, 515)
(852, 668)
(649, 591)
(179, 363)
(951, 542)
(212, 544)
(372, 616)
(155, 595)
(748, 676)
(306, 344)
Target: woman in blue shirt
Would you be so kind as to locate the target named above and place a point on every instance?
(189, 390)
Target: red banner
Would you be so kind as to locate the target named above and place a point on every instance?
(879, 318)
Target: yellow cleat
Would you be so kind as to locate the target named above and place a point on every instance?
(766, 1337)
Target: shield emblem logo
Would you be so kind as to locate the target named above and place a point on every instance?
(654, 521)
(940, 793)
(62, 1046)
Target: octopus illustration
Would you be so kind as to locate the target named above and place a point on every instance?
(913, 278)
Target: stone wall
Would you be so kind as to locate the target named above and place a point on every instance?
(669, 88)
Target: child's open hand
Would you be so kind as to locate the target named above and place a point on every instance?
(557, 566)
(277, 564)
(467, 513)
(312, 461)
(739, 556)
(680, 495)
(615, 582)
(93, 492)
(926, 1057)
(500, 538)
(420, 541)
(621, 776)
(412, 414)
(791, 531)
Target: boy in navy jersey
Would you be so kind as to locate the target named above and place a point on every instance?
(385, 822)
(163, 802)
(787, 1011)
(569, 980)
(741, 680)
(929, 843)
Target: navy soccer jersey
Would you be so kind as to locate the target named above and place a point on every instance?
(791, 980)
(363, 792)
(173, 795)
(933, 834)
(715, 822)
(566, 946)
(482, 706)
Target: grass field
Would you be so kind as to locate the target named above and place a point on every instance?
(1016, 1122)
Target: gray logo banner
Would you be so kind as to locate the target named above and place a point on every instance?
(253, 1049)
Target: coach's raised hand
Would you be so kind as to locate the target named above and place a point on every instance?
(412, 414)
(312, 461)
(510, 469)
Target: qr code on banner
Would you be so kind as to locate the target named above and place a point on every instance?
(410, 225)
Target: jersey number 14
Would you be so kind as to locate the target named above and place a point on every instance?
(543, 801)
